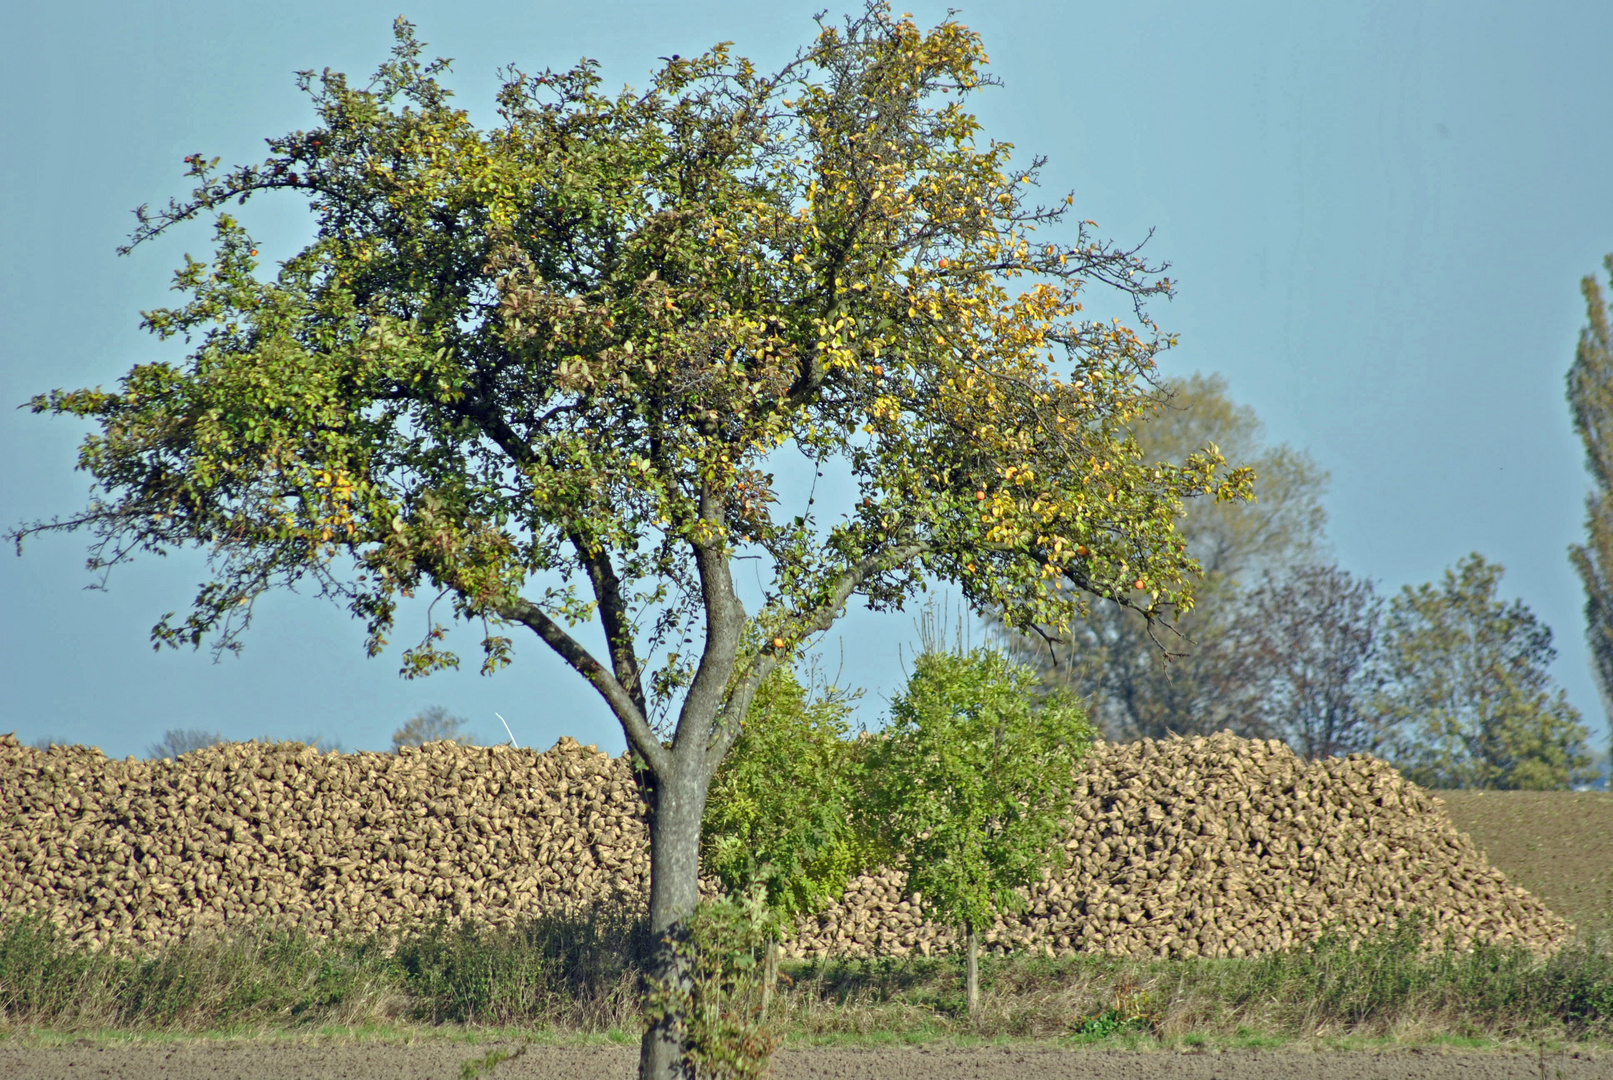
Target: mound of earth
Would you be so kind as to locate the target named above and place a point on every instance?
(1211, 846)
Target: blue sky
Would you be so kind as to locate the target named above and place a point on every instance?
(1378, 214)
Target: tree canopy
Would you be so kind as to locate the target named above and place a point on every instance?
(1468, 689)
(1590, 399)
(574, 343)
(1284, 525)
(1306, 645)
(548, 371)
(1144, 680)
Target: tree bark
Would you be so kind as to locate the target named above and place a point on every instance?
(971, 970)
(769, 973)
(674, 894)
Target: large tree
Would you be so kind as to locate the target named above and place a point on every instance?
(1185, 673)
(547, 371)
(1306, 644)
(1590, 397)
(1283, 525)
(1468, 693)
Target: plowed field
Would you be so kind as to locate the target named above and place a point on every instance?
(438, 1061)
(1556, 844)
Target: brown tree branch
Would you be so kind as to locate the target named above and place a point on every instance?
(802, 625)
(613, 613)
(725, 622)
(634, 723)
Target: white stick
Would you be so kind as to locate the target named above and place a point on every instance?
(507, 731)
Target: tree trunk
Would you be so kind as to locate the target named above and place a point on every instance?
(674, 894)
(971, 970)
(769, 973)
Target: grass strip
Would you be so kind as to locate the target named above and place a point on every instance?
(567, 979)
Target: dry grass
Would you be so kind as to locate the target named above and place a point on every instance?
(1395, 985)
(573, 975)
(1556, 844)
(579, 978)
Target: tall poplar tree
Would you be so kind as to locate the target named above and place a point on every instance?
(1590, 397)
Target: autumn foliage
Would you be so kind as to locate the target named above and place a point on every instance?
(549, 371)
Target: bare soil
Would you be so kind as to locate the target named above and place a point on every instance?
(439, 1061)
(1556, 844)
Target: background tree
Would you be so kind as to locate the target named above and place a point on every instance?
(973, 781)
(433, 724)
(325, 744)
(1113, 657)
(1282, 526)
(1590, 398)
(1307, 642)
(1602, 768)
(177, 741)
(1468, 691)
(782, 814)
(547, 372)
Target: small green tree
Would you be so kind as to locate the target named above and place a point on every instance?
(1469, 696)
(432, 724)
(782, 810)
(972, 783)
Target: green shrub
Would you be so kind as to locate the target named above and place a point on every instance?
(572, 972)
(722, 1001)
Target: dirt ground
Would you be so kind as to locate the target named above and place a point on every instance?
(1556, 844)
(442, 1061)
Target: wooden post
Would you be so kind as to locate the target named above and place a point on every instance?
(972, 970)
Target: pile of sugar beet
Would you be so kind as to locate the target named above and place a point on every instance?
(1214, 846)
